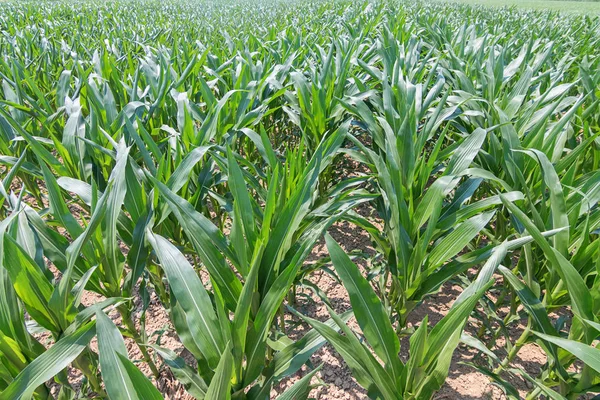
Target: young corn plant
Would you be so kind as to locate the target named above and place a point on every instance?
(568, 281)
(551, 161)
(422, 203)
(252, 269)
(374, 358)
(53, 306)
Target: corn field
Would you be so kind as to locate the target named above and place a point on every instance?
(192, 157)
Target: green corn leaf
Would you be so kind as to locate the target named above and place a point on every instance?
(185, 374)
(289, 360)
(531, 303)
(557, 200)
(119, 384)
(588, 354)
(353, 355)
(242, 312)
(139, 252)
(36, 145)
(536, 309)
(369, 311)
(300, 389)
(580, 296)
(8, 179)
(115, 197)
(220, 386)
(50, 363)
(457, 240)
(296, 208)
(466, 152)
(485, 274)
(418, 349)
(10, 350)
(255, 345)
(539, 384)
(30, 284)
(142, 386)
(192, 297)
(207, 241)
(368, 372)
(452, 322)
(181, 174)
(85, 315)
(242, 201)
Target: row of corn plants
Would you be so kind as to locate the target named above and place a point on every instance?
(197, 153)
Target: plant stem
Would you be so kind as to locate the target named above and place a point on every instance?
(83, 363)
(129, 324)
(534, 394)
(515, 349)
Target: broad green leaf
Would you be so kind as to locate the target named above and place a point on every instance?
(300, 389)
(185, 374)
(557, 200)
(207, 241)
(50, 363)
(457, 240)
(30, 284)
(242, 201)
(466, 152)
(192, 297)
(143, 387)
(581, 298)
(220, 385)
(535, 309)
(588, 354)
(369, 312)
(119, 384)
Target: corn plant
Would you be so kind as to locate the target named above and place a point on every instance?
(390, 378)
(413, 190)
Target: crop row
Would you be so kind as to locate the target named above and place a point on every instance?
(198, 152)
